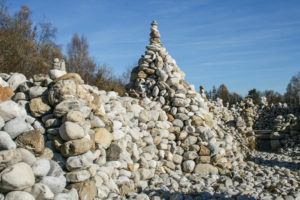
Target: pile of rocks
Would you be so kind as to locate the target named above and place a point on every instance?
(199, 127)
(63, 139)
(274, 126)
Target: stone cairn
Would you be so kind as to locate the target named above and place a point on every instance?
(158, 78)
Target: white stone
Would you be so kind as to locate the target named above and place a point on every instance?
(15, 80)
(80, 162)
(37, 91)
(16, 177)
(17, 126)
(27, 156)
(188, 166)
(3, 83)
(41, 167)
(71, 131)
(118, 134)
(77, 176)
(41, 191)
(56, 73)
(10, 110)
(19, 195)
(56, 184)
(71, 195)
(2, 123)
(6, 143)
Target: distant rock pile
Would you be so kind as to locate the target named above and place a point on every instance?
(62, 139)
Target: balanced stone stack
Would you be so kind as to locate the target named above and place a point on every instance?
(201, 133)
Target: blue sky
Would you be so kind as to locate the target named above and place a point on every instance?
(244, 44)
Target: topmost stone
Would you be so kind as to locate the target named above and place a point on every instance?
(154, 35)
(59, 64)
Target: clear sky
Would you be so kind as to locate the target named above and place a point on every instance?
(244, 44)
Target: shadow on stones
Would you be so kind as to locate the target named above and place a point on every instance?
(167, 195)
(272, 163)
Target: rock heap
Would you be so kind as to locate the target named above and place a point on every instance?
(196, 126)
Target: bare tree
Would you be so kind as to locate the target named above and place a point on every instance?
(79, 60)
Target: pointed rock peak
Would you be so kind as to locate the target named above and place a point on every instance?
(154, 35)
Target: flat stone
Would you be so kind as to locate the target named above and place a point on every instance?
(3, 83)
(27, 156)
(86, 190)
(32, 141)
(75, 116)
(10, 110)
(16, 126)
(41, 191)
(113, 152)
(62, 90)
(41, 167)
(75, 147)
(206, 169)
(16, 177)
(70, 195)
(15, 80)
(19, 195)
(56, 184)
(56, 73)
(5, 93)
(37, 91)
(9, 157)
(71, 131)
(145, 116)
(6, 142)
(103, 137)
(70, 76)
(204, 151)
(77, 176)
(39, 106)
(66, 106)
(80, 162)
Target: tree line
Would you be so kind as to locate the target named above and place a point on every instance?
(29, 48)
(291, 96)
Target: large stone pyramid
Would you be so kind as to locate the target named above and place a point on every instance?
(157, 76)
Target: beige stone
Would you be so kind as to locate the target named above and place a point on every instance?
(103, 137)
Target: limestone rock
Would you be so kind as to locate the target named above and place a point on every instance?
(5, 93)
(70, 195)
(37, 91)
(72, 76)
(10, 110)
(41, 191)
(65, 106)
(6, 142)
(15, 80)
(80, 162)
(205, 169)
(56, 184)
(9, 157)
(75, 147)
(103, 137)
(77, 176)
(32, 141)
(39, 106)
(86, 190)
(71, 131)
(41, 167)
(55, 73)
(16, 127)
(16, 177)
(19, 195)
